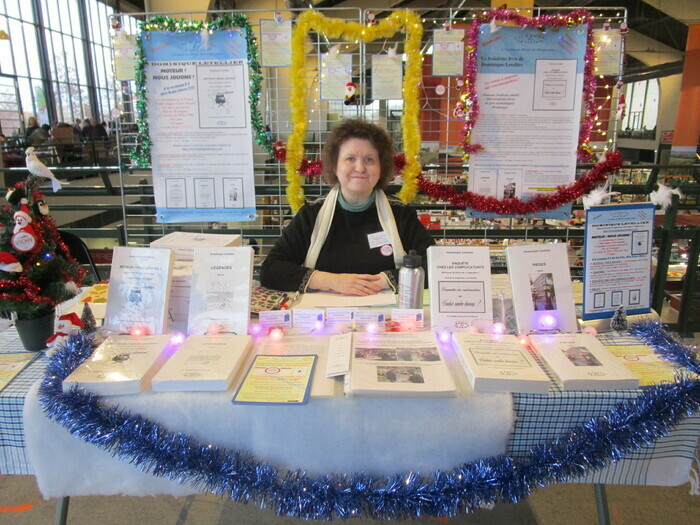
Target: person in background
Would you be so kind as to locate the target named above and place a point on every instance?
(40, 136)
(32, 126)
(351, 241)
(86, 132)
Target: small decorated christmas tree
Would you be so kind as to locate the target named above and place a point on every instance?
(36, 269)
(619, 323)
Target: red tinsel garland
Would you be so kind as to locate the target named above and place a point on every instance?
(543, 202)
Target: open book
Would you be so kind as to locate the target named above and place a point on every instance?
(398, 364)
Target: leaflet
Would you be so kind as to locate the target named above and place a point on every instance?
(277, 379)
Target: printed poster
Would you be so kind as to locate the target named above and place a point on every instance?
(336, 72)
(387, 77)
(448, 52)
(530, 86)
(617, 259)
(200, 126)
(275, 43)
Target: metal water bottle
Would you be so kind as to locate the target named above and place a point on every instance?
(411, 281)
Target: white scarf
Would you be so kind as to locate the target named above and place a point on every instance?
(325, 218)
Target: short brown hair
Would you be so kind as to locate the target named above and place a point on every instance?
(359, 129)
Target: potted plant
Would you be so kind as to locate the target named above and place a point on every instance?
(37, 271)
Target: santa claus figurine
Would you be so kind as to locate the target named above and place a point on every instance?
(24, 237)
(350, 93)
(67, 325)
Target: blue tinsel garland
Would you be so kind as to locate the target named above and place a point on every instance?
(592, 445)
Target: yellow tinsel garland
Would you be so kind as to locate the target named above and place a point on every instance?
(335, 28)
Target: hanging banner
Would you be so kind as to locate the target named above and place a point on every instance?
(200, 126)
(530, 87)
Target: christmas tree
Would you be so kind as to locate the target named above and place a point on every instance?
(619, 323)
(36, 269)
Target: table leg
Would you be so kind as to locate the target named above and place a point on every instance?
(601, 501)
(62, 510)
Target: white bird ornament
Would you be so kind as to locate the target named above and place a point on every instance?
(38, 168)
(664, 196)
(597, 195)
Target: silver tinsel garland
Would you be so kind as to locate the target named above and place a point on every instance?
(241, 477)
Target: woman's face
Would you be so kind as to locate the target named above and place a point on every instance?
(358, 169)
(32, 121)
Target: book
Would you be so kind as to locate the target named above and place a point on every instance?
(398, 364)
(12, 364)
(277, 379)
(183, 244)
(581, 362)
(139, 290)
(220, 294)
(499, 363)
(204, 363)
(180, 291)
(543, 298)
(459, 281)
(122, 364)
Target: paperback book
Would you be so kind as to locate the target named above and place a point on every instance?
(277, 380)
(139, 290)
(220, 295)
(204, 363)
(398, 364)
(543, 298)
(459, 280)
(581, 362)
(122, 364)
(499, 363)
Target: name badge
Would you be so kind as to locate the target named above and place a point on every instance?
(378, 239)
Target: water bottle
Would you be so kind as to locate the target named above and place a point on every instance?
(411, 281)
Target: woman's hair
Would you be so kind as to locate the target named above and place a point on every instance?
(359, 129)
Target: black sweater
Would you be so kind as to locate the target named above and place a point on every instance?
(346, 249)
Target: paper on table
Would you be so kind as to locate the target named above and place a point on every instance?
(339, 350)
(329, 299)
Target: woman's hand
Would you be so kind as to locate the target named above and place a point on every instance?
(348, 283)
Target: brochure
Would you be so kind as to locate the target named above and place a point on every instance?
(499, 363)
(581, 362)
(122, 364)
(139, 290)
(459, 279)
(543, 298)
(277, 379)
(398, 364)
(204, 363)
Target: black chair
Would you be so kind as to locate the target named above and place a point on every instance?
(79, 250)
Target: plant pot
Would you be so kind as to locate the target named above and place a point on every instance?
(34, 332)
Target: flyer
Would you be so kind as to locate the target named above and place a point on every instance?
(277, 379)
(617, 259)
(275, 43)
(200, 126)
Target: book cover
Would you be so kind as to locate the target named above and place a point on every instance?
(204, 363)
(139, 290)
(581, 362)
(647, 365)
(122, 364)
(499, 363)
(12, 364)
(398, 364)
(277, 380)
(543, 298)
(459, 281)
(220, 294)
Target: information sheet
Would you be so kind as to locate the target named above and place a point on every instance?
(617, 259)
(387, 77)
(200, 126)
(608, 51)
(530, 85)
(275, 43)
(277, 379)
(448, 52)
(124, 56)
(336, 72)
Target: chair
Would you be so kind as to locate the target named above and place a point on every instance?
(79, 250)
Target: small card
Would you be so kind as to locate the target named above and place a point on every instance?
(378, 239)
(340, 315)
(269, 318)
(339, 349)
(306, 318)
(365, 317)
(409, 317)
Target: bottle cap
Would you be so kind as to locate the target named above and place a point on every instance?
(412, 259)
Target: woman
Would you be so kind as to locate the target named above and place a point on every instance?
(352, 241)
(32, 126)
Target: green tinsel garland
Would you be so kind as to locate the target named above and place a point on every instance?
(141, 154)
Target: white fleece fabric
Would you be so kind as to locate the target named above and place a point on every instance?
(380, 436)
